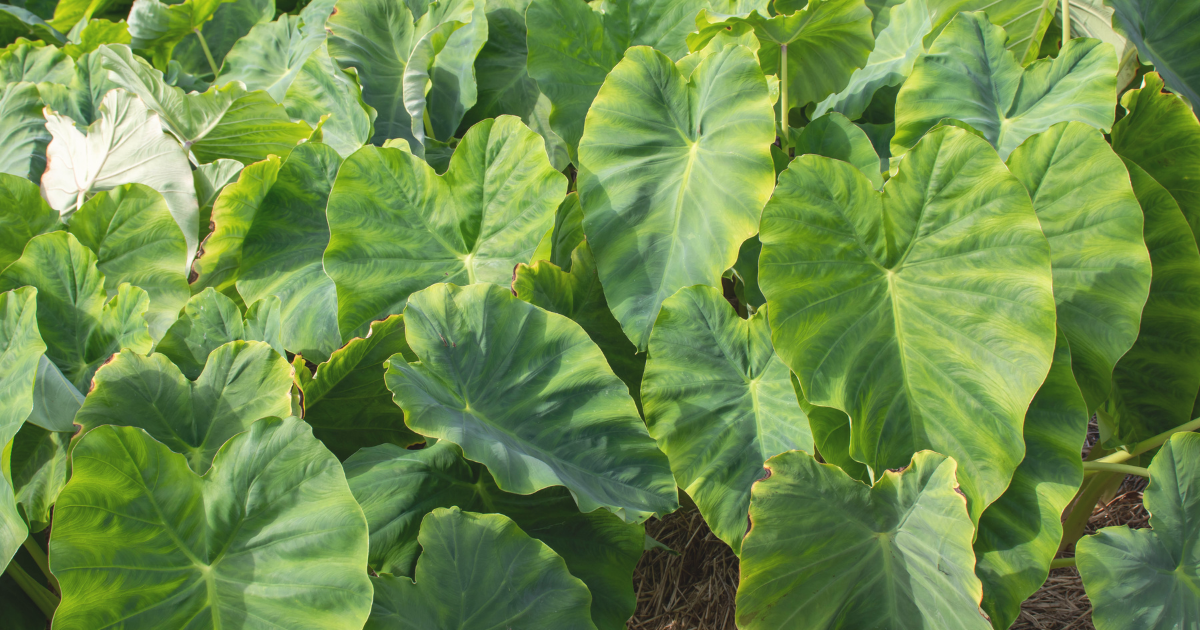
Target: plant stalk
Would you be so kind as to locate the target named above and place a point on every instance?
(1062, 563)
(46, 601)
(212, 63)
(1098, 466)
(1066, 22)
(39, 557)
(783, 95)
(1149, 444)
(1081, 508)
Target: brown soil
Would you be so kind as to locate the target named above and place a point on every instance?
(695, 589)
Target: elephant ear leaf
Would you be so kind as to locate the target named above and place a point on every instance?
(1167, 37)
(969, 75)
(82, 328)
(126, 145)
(528, 394)
(830, 550)
(916, 270)
(210, 320)
(397, 227)
(242, 382)
(1156, 568)
(1091, 217)
(673, 175)
(834, 136)
(136, 240)
(507, 570)
(158, 27)
(21, 348)
(719, 403)
(398, 487)
(25, 216)
(272, 532)
(347, 402)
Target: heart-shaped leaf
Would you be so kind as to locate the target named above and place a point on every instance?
(834, 136)
(526, 393)
(136, 240)
(1092, 219)
(719, 403)
(347, 402)
(1148, 578)
(397, 227)
(946, 278)
(970, 76)
(398, 487)
(126, 145)
(574, 45)
(673, 174)
(82, 328)
(481, 570)
(836, 553)
(242, 382)
(270, 537)
(1166, 36)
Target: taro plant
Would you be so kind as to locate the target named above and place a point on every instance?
(410, 314)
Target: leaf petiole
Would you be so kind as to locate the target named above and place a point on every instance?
(1062, 563)
(46, 601)
(39, 557)
(783, 94)
(1148, 444)
(212, 63)
(1099, 466)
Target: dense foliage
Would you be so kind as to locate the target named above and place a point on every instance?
(409, 313)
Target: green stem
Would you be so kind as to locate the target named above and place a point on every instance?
(783, 94)
(1062, 563)
(1098, 466)
(1081, 509)
(45, 600)
(212, 63)
(1149, 444)
(1066, 22)
(39, 557)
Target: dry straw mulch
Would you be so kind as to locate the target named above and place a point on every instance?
(695, 589)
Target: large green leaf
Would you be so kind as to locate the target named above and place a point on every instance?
(22, 131)
(1162, 136)
(24, 215)
(210, 180)
(719, 403)
(288, 59)
(481, 571)
(219, 262)
(1155, 383)
(34, 62)
(95, 34)
(55, 399)
(531, 397)
(407, 69)
(82, 328)
(397, 227)
(242, 382)
(673, 174)
(347, 402)
(136, 240)
(827, 552)
(20, 349)
(1024, 21)
(157, 27)
(16, 22)
(969, 76)
(573, 46)
(281, 251)
(1167, 35)
(826, 41)
(1019, 533)
(69, 12)
(270, 538)
(126, 145)
(897, 47)
(925, 313)
(578, 296)
(220, 123)
(1090, 215)
(505, 86)
(210, 320)
(398, 487)
(1149, 579)
(1093, 18)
